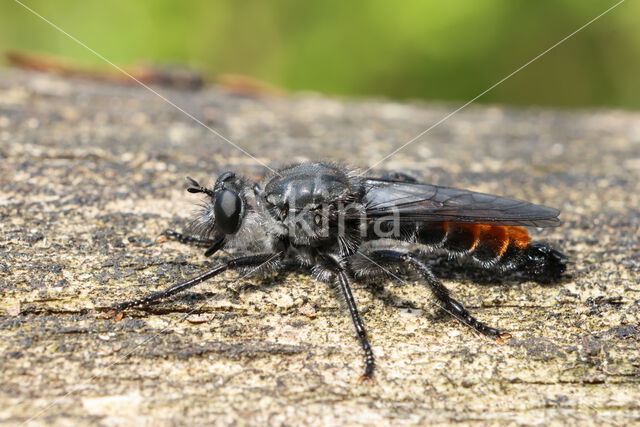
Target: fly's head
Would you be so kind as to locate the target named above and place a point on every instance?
(225, 209)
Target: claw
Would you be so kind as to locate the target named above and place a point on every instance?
(369, 379)
(502, 337)
(115, 314)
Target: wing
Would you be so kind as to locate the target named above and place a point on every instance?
(424, 202)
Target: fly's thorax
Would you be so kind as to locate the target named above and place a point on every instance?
(320, 204)
(308, 201)
(317, 222)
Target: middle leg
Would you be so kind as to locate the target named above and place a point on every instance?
(249, 261)
(342, 277)
(369, 360)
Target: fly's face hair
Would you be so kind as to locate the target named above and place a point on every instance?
(338, 226)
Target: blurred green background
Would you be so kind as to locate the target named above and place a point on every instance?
(433, 50)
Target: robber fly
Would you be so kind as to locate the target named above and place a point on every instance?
(340, 226)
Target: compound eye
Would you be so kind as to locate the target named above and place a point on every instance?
(226, 209)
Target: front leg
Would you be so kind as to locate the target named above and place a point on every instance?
(186, 238)
(212, 245)
(245, 261)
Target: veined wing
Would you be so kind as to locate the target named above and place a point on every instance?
(425, 202)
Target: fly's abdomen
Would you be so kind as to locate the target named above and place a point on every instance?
(487, 244)
(502, 247)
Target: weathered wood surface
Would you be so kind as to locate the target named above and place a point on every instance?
(91, 173)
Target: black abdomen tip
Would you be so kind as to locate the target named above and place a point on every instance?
(543, 263)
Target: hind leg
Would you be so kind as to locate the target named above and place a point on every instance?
(380, 258)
